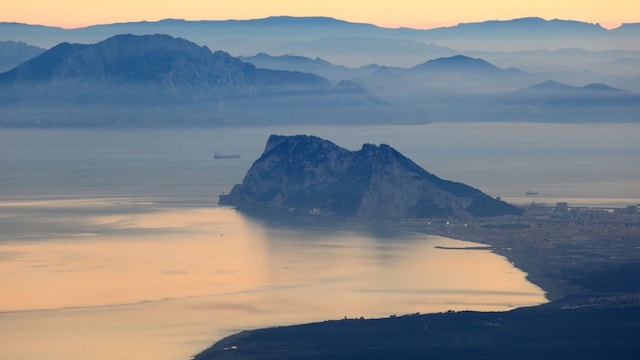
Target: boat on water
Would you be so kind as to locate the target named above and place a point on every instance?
(226, 156)
(529, 193)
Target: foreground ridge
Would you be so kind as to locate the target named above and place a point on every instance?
(528, 333)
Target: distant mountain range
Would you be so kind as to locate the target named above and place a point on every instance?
(555, 100)
(352, 44)
(304, 64)
(13, 53)
(130, 80)
(308, 28)
(158, 79)
(530, 44)
(317, 70)
(460, 88)
(445, 69)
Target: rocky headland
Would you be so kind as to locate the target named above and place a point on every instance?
(587, 260)
(307, 174)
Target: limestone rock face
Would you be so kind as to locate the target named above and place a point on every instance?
(310, 174)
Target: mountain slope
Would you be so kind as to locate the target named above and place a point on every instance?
(13, 53)
(556, 101)
(309, 174)
(558, 33)
(308, 65)
(158, 79)
(459, 63)
(153, 60)
(560, 93)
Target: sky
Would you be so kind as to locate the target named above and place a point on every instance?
(420, 14)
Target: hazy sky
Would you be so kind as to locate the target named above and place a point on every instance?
(388, 13)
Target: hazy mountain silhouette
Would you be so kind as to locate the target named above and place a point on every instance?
(524, 28)
(304, 64)
(549, 85)
(456, 73)
(464, 74)
(565, 50)
(359, 50)
(595, 90)
(462, 88)
(158, 79)
(458, 63)
(450, 88)
(557, 101)
(13, 53)
(263, 35)
(161, 79)
(153, 60)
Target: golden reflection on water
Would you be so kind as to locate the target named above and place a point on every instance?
(166, 284)
(204, 258)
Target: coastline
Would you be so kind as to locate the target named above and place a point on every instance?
(550, 247)
(571, 260)
(537, 273)
(526, 333)
(534, 268)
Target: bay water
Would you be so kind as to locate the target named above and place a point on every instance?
(112, 244)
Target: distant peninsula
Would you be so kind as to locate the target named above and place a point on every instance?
(587, 261)
(310, 175)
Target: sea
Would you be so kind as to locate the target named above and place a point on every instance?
(113, 246)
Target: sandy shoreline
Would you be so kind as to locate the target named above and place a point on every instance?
(535, 268)
(555, 250)
(548, 247)
(533, 265)
(537, 273)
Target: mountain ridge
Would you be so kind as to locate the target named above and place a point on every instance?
(149, 58)
(317, 26)
(14, 52)
(158, 79)
(459, 63)
(552, 85)
(324, 20)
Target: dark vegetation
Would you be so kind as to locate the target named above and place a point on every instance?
(545, 332)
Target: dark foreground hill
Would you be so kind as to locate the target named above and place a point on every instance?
(597, 332)
(311, 175)
(158, 79)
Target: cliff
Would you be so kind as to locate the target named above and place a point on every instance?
(309, 174)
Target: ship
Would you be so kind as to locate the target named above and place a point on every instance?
(226, 156)
(529, 193)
